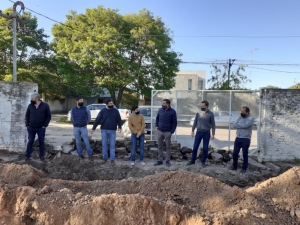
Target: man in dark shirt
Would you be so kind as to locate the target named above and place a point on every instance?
(37, 118)
(110, 119)
(166, 123)
(80, 117)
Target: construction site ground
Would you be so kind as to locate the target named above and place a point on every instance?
(70, 190)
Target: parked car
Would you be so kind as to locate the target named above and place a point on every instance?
(146, 112)
(96, 108)
(222, 118)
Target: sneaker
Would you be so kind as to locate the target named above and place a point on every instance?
(158, 163)
(132, 163)
(203, 165)
(168, 164)
(190, 163)
(81, 156)
(27, 159)
(243, 171)
(112, 162)
(42, 158)
(91, 158)
(143, 163)
(104, 161)
(232, 168)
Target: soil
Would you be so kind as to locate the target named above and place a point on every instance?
(68, 190)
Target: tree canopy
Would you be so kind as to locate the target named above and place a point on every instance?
(122, 51)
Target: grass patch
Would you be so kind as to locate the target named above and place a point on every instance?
(64, 120)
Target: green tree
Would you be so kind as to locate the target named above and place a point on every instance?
(219, 79)
(122, 51)
(270, 87)
(295, 86)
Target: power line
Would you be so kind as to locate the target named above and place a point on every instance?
(280, 71)
(255, 64)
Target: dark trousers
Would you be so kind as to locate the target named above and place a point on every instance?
(241, 143)
(31, 136)
(199, 136)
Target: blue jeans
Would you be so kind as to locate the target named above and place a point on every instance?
(133, 148)
(239, 143)
(108, 136)
(82, 132)
(31, 136)
(198, 138)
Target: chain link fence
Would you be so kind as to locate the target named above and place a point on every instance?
(225, 105)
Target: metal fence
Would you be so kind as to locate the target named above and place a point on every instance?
(226, 106)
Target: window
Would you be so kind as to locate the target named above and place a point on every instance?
(189, 84)
(200, 84)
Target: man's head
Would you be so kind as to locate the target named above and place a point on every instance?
(166, 103)
(204, 105)
(79, 101)
(135, 109)
(245, 111)
(35, 97)
(109, 103)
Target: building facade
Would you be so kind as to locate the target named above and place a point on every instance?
(191, 80)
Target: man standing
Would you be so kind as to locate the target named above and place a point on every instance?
(166, 123)
(110, 119)
(243, 138)
(136, 125)
(80, 117)
(204, 121)
(37, 118)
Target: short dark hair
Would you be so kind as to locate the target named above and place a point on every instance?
(246, 108)
(167, 101)
(205, 102)
(134, 107)
(108, 100)
(78, 98)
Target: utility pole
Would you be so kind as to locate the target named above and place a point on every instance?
(230, 63)
(14, 17)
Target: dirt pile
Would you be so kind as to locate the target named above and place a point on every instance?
(176, 197)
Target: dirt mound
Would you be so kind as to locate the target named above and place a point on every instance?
(282, 192)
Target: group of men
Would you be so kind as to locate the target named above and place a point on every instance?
(38, 116)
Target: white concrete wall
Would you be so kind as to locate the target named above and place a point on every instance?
(280, 125)
(14, 99)
(181, 80)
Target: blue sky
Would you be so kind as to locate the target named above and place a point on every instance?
(191, 18)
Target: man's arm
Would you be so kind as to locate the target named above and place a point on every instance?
(98, 120)
(213, 124)
(143, 125)
(130, 126)
(71, 116)
(157, 119)
(195, 122)
(174, 122)
(248, 123)
(119, 120)
(27, 115)
(88, 115)
(48, 116)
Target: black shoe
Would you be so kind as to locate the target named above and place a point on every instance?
(203, 165)
(168, 164)
(243, 171)
(42, 158)
(190, 163)
(158, 163)
(232, 168)
(81, 156)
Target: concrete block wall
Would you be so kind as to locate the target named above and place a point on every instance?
(279, 135)
(14, 99)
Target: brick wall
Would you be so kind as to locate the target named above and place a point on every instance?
(14, 99)
(279, 135)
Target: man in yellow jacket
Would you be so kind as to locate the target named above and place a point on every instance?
(136, 125)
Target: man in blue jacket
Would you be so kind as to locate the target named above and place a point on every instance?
(166, 123)
(243, 138)
(37, 118)
(80, 117)
(110, 119)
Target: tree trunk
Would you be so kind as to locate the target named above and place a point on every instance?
(120, 95)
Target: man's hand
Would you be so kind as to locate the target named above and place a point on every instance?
(119, 130)
(193, 134)
(139, 134)
(212, 137)
(92, 131)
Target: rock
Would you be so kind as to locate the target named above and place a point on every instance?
(46, 190)
(216, 156)
(253, 165)
(221, 151)
(74, 153)
(273, 167)
(292, 212)
(55, 149)
(66, 190)
(263, 216)
(297, 212)
(66, 148)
